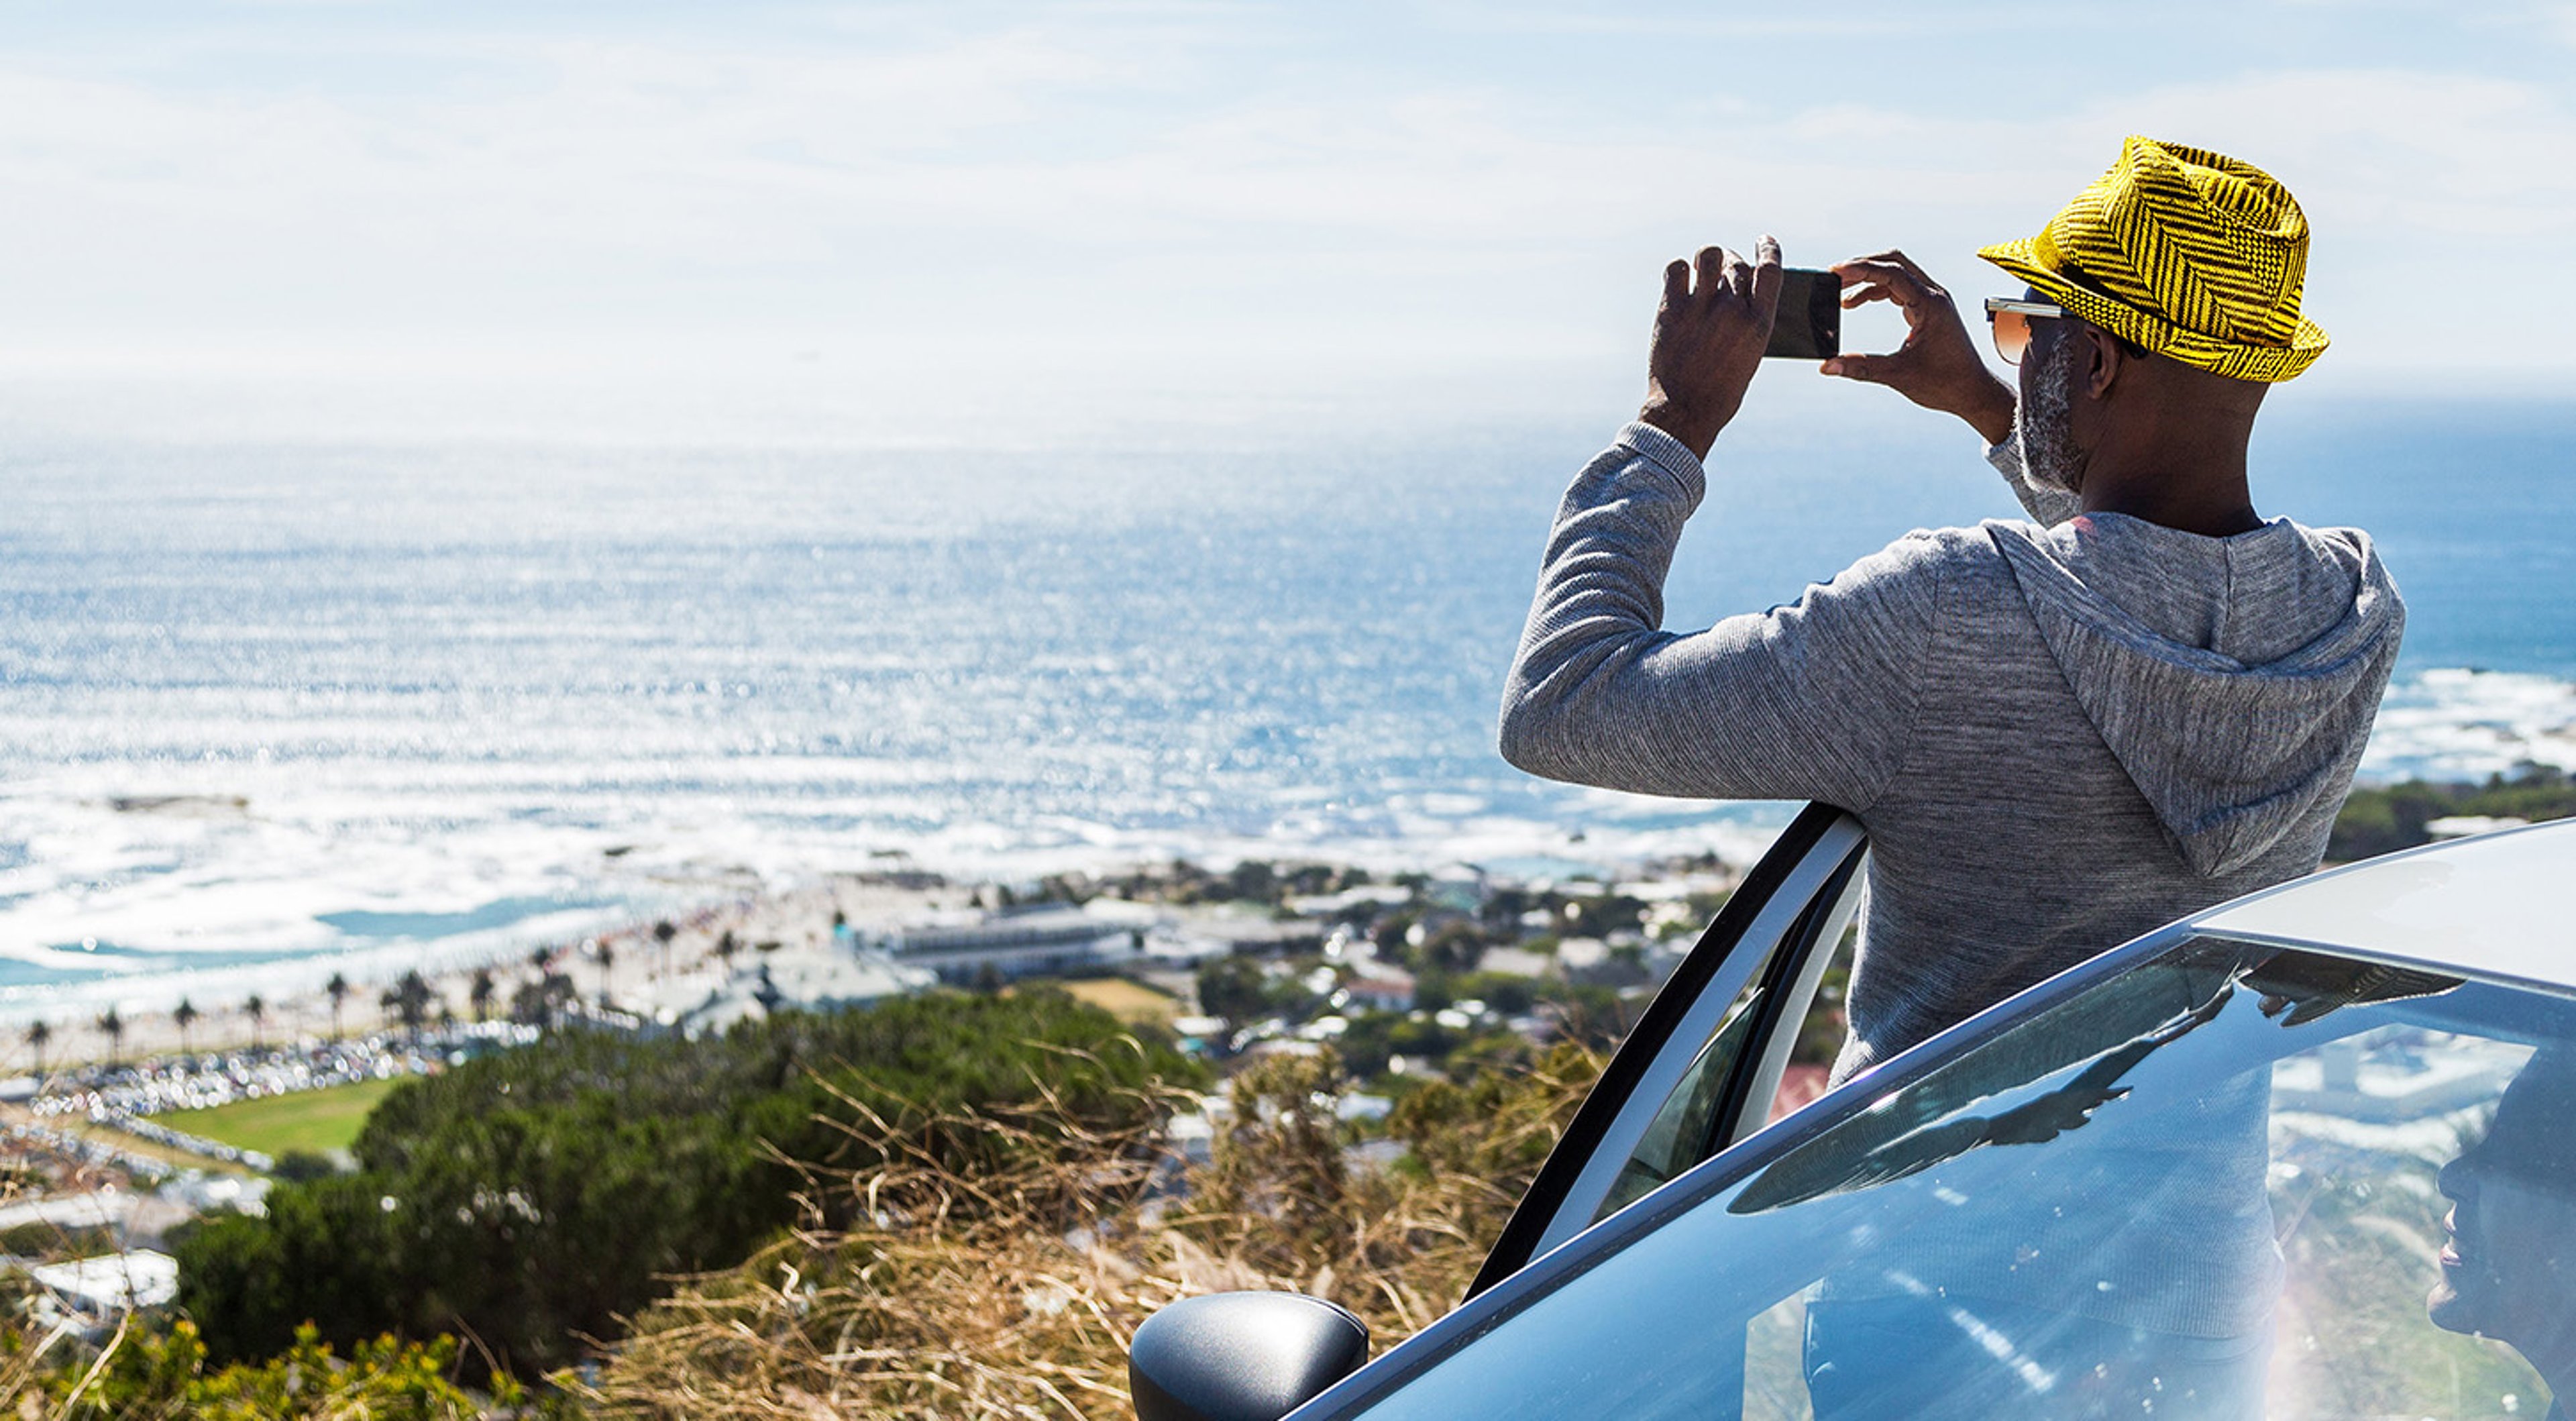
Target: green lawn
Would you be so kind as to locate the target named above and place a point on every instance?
(317, 1120)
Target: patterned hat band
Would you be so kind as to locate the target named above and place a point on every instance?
(2188, 253)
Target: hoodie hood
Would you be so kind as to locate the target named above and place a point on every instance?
(2234, 679)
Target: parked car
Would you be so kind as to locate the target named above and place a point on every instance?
(2309, 1153)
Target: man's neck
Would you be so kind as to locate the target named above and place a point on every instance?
(2219, 516)
(2186, 477)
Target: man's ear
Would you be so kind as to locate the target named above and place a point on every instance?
(2104, 362)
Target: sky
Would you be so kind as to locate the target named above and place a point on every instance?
(928, 216)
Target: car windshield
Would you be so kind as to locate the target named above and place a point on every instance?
(2231, 1180)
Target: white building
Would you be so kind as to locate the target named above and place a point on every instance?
(1018, 942)
(810, 979)
(89, 1292)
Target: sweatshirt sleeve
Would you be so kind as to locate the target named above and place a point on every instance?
(2047, 507)
(1810, 701)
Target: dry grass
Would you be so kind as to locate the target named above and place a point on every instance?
(1013, 1293)
(31, 1355)
(1010, 1290)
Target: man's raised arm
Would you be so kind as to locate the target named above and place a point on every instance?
(1812, 701)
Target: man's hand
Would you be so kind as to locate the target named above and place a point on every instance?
(1938, 366)
(1709, 335)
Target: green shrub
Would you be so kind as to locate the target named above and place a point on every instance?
(304, 1166)
(147, 1375)
(42, 1240)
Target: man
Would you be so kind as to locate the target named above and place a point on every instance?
(2509, 1268)
(2059, 733)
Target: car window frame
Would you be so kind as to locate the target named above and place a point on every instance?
(1818, 858)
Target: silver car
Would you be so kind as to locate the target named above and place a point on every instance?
(2308, 1154)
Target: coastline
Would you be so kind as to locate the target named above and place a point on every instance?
(758, 890)
(641, 973)
(218, 925)
(792, 896)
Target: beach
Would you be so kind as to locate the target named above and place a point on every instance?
(624, 963)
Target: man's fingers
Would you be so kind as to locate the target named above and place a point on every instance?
(1711, 264)
(1676, 282)
(1899, 283)
(1860, 296)
(1766, 275)
(1715, 269)
(1895, 258)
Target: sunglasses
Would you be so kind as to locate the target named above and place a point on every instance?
(2011, 321)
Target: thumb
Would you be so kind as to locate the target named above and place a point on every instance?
(1871, 369)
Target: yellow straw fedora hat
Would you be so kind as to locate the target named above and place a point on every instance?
(2189, 253)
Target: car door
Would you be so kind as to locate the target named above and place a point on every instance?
(1698, 1071)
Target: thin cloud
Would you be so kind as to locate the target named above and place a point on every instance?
(1121, 186)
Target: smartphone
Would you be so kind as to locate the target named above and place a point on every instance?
(1810, 325)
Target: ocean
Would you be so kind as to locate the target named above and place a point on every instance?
(268, 711)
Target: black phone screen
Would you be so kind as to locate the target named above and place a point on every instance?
(1810, 325)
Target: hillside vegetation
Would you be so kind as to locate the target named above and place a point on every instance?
(530, 1199)
(2388, 818)
(1014, 1292)
(986, 1255)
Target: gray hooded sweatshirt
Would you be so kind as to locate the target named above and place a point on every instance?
(2059, 734)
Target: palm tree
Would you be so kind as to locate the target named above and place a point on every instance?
(607, 965)
(409, 1000)
(727, 946)
(663, 932)
(257, 1011)
(114, 1028)
(537, 1003)
(39, 1035)
(480, 993)
(185, 1015)
(338, 987)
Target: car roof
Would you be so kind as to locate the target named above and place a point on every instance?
(2494, 905)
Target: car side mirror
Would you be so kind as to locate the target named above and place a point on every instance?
(1241, 1356)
